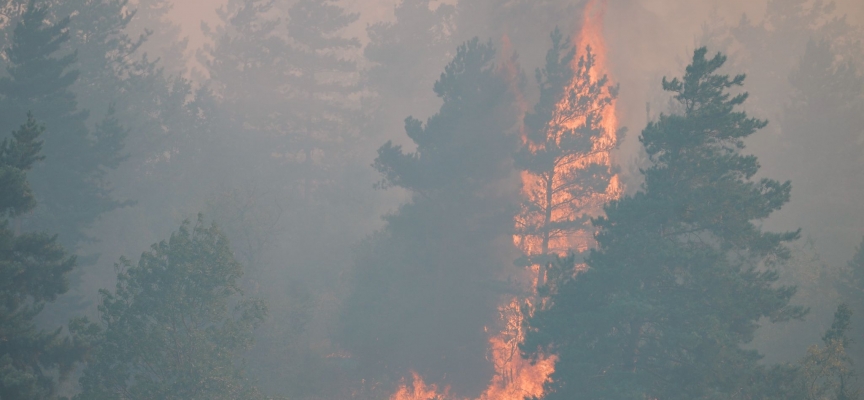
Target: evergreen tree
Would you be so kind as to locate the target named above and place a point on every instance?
(523, 22)
(803, 59)
(165, 40)
(682, 272)
(33, 269)
(425, 286)
(176, 326)
(822, 120)
(853, 294)
(106, 53)
(827, 371)
(71, 184)
(286, 112)
(406, 55)
(566, 153)
(282, 72)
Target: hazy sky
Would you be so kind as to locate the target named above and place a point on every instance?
(190, 13)
(628, 21)
(653, 37)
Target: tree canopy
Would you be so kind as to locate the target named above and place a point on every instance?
(682, 273)
(33, 272)
(176, 326)
(429, 281)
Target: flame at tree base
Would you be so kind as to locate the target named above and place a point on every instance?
(516, 377)
(418, 390)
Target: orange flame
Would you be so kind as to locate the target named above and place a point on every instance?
(562, 204)
(517, 378)
(418, 390)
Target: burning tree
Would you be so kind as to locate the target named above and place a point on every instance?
(682, 273)
(567, 173)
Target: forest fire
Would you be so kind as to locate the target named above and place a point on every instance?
(553, 217)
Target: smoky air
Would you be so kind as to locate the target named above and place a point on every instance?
(431, 199)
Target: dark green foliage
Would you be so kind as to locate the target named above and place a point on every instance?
(17, 156)
(176, 326)
(33, 270)
(446, 145)
(425, 286)
(71, 184)
(682, 272)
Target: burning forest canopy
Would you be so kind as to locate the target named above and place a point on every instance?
(510, 239)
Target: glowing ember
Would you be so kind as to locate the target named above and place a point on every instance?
(554, 202)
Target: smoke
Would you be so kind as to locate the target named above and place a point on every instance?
(646, 39)
(272, 131)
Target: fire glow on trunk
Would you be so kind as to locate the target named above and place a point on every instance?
(550, 201)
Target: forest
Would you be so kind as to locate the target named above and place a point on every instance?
(431, 199)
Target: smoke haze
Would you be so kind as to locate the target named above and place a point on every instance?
(362, 157)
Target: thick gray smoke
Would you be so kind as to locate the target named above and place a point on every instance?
(383, 244)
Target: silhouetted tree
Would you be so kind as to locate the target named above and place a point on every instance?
(281, 72)
(71, 184)
(286, 106)
(853, 294)
(407, 54)
(176, 326)
(803, 61)
(822, 121)
(33, 269)
(682, 272)
(165, 40)
(827, 371)
(427, 284)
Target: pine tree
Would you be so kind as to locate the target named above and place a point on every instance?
(852, 293)
(176, 326)
(827, 371)
(165, 40)
(106, 52)
(682, 272)
(803, 59)
(283, 74)
(565, 154)
(33, 269)
(407, 55)
(71, 184)
(822, 120)
(286, 113)
(425, 286)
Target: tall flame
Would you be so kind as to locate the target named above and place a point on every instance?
(550, 202)
(517, 378)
